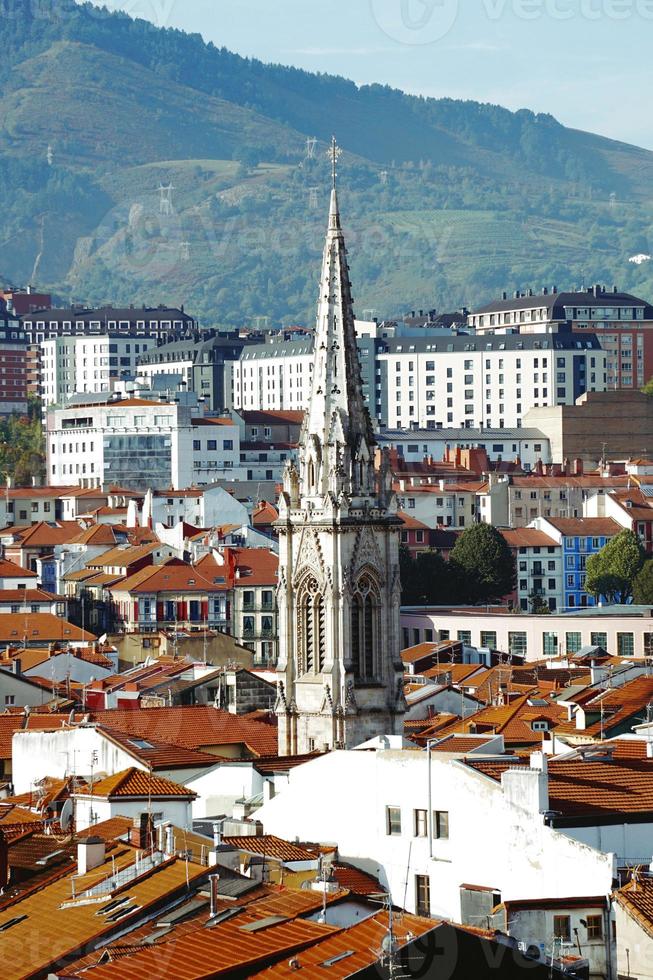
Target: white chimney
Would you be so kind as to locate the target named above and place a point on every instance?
(90, 854)
(170, 840)
(527, 789)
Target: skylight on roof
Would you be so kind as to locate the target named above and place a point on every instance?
(140, 743)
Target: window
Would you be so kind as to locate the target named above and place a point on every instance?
(550, 644)
(441, 824)
(625, 644)
(594, 927)
(10, 699)
(197, 445)
(227, 444)
(212, 445)
(573, 642)
(518, 644)
(465, 637)
(393, 821)
(562, 928)
(489, 639)
(420, 823)
(422, 895)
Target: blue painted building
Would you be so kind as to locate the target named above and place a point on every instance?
(580, 538)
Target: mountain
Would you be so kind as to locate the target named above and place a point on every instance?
(445, 202)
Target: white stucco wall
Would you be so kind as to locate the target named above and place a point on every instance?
(70, 750)
(177, 812)
(342, 798)
(218, 788)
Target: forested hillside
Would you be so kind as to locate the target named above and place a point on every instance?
(445, 202)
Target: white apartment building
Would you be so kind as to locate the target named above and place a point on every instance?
(140, 443)
(623, 322)
(435, 382)
(419, 830)
(273, 377)
(486, 382)
(85, 365)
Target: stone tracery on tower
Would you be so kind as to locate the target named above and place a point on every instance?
(339, 672)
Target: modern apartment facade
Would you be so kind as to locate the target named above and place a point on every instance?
(140, 443)
(488, 382)
(82, 365)
(623, 323)
(75, 321)
(13, 365)
(203, 366)
(436, 382)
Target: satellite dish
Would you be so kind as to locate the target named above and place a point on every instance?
(66, 815)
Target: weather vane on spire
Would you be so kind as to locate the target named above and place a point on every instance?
(335, 153)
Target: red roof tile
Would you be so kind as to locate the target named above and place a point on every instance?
(140, 784)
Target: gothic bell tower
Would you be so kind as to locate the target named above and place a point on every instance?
(339, 676)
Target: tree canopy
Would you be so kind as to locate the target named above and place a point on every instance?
(484, 563)
(612, 572)
(643, 584)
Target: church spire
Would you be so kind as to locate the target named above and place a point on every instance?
(337, 423)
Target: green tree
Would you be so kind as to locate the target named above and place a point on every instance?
(484, 563)
(612, 571)
(643, 584)
(425, 580)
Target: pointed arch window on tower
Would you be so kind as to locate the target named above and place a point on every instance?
(312, 629)
(365, 628)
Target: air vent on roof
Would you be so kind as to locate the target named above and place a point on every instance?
(338, 958)
(12, 922)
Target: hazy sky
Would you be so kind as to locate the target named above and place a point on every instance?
(585, 61)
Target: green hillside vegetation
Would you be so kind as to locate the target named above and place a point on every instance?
(446, 203)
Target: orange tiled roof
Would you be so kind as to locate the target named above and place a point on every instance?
(265, 513)
(28, 595)
(411, 523)
(636, 898)
(44, 534)
(586, 526)
(123, 557)
(139, 783)
(226, 949)
(578, 787)
(356, 881)
(66, 929)
(39, 627)
(353, 951)
(257, 417)
(198, 727)
(9, 569)
(273, 847)
(173, 576)
(527, 537)
(460, 743)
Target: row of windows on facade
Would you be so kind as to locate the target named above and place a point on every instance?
(420, 824)
(518, 640)
(212, 445)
